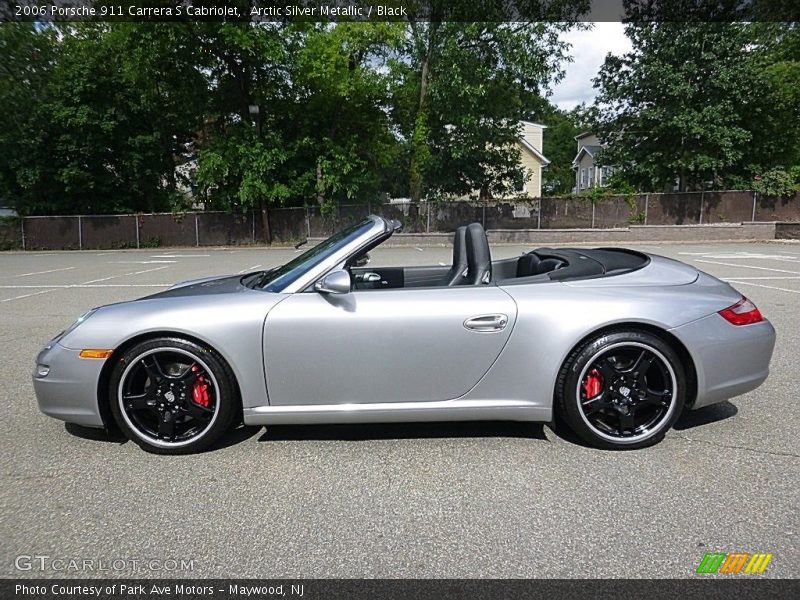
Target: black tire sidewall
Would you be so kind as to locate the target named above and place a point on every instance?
(227, 401)
(568, 402)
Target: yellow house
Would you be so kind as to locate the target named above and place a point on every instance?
(533, 160)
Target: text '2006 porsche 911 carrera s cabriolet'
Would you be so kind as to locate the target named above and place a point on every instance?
(617, 343)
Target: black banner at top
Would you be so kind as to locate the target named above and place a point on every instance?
(399, 10)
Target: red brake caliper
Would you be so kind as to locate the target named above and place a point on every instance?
(200, 390)
(592, 384)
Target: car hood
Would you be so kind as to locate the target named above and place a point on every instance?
(202, 287)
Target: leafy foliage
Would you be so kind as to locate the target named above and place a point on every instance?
(701, 104)
(460, 90)
(96, 120)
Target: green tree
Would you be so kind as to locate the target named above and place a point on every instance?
(28, 61)
(560, 146)
(460, 91)
(321, 134)
(242, 154)
(680, 104)
(340, 126)
(99, 115)
(776, 126)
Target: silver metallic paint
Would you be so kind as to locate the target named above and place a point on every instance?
(403, 345)
(404, 355)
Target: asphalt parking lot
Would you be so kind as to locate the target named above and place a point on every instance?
(435, 500)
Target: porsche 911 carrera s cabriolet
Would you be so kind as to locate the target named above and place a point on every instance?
(615, 343)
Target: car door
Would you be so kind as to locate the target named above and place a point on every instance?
(404, 345)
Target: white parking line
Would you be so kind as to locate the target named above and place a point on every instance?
(180, 256)
(768, 278)
(245, 270)
(76, 285)
(43, 272)
(714, 262)
(141, 262)
(125, 275)
(28, 295)
(82, 285)
(771, 287)
(743, 256)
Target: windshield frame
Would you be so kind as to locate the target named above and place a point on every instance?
(313, 264)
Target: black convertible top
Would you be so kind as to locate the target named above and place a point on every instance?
(580, 263)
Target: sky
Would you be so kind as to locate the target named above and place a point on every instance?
(589, 49)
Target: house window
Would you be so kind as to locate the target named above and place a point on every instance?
(520, 184)
(605, 173)
(583, 178)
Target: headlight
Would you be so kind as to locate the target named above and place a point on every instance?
(80, 320)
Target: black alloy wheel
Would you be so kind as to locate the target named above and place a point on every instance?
(172, 396)
(622, 390)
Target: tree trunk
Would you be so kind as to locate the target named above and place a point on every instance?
(320, 187)
(419, 138)
(265, 222)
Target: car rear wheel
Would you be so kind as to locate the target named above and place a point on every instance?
(172, 396)
(622, 390)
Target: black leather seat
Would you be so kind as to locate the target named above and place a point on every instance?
(456, 274)
(479, 259)
(531, 264)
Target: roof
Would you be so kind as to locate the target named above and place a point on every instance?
(532, 123)
(583, 135)
(528, 146)
(591, 150)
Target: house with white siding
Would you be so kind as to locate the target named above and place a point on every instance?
(533, 160)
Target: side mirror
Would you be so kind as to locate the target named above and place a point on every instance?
(335, 282)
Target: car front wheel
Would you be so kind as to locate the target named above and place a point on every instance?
(622, 390)
(172, 396)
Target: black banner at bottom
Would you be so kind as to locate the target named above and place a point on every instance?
(416, 589)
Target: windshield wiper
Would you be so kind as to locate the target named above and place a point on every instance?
(257, 280)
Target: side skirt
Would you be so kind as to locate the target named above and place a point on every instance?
(398, 412)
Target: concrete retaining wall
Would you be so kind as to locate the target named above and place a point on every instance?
(787, 231)
(635, 233)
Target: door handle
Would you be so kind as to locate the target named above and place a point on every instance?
(487, 323)
(368, 277)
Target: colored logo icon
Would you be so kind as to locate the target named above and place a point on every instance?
(734, 562)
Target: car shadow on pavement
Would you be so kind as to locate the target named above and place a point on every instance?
(706, 415)
(403, 431)
(95, 434)
(235, 436)
(231, 438)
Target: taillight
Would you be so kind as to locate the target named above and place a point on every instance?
(743, 312)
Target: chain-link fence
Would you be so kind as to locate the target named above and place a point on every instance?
(287, 225)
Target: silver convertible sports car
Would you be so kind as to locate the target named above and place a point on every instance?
(613, 342)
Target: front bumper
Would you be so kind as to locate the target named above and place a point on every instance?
(69, 391)
(729, 360)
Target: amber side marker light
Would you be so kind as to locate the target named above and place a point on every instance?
(743, 312)
(95, 353)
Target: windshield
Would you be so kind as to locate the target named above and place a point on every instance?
(277, 279)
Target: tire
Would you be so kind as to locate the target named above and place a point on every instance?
(621, 390)
(172, 396)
